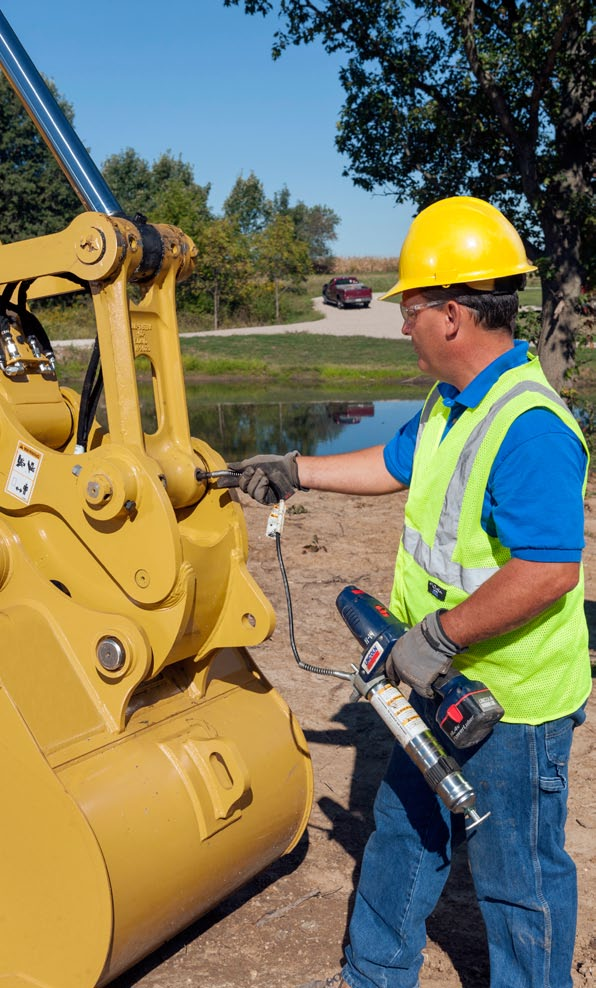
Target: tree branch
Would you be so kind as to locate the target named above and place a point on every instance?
(504, 24)
(522, 145)
(547, 69)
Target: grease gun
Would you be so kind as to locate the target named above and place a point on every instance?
(378, 634)
(466, 714)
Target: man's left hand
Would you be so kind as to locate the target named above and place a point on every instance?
(421, 655)
(267, 478)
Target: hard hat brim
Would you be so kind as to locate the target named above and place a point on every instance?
(476, 281)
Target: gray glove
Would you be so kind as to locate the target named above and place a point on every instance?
(422, 654)
(268, 479)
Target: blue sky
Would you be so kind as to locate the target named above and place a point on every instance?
(198, 79)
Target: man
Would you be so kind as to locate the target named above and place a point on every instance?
(488, 579)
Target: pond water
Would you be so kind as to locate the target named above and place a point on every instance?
(241, 429)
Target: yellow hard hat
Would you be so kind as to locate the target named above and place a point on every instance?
(460, 239)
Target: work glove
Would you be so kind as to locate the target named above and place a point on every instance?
(422, 654)
(269, 478)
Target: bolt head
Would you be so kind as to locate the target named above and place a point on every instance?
(111, 653)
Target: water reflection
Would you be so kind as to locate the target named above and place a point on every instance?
(240, 429)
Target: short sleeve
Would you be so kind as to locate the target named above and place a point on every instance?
(399, 451)
(534, 500)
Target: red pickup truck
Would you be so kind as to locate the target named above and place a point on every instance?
(345, 291)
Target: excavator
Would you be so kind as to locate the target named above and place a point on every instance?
(148, 768)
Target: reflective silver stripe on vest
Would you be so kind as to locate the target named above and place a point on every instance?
(430, 403)
(438, 560)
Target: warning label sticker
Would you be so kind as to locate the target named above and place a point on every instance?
(23, 473)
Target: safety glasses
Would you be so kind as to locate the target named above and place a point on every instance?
(409, 312)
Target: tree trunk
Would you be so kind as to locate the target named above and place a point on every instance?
(277, 307)
(561, 328)
(216, 309)
(567, 196)
(561, 288)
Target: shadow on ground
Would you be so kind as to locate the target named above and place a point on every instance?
(468, 951)
(279, 869)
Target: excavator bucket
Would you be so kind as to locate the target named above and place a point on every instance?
(148, 767)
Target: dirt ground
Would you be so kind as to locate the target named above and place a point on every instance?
(287, 927)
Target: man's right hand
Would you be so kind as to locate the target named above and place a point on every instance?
(268, 478)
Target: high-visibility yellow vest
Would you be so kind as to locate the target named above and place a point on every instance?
(540, 671)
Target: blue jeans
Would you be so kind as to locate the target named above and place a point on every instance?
(524, 879)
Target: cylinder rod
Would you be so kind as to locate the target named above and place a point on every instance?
(59, 135)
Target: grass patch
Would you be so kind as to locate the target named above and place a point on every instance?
(304, 356)
(531, 295)
(223, 366)
(267, 362)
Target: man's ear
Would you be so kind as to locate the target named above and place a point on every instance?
(453, 319)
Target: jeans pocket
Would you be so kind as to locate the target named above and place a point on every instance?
(557, 746)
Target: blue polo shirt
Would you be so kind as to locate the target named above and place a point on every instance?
(533, 501)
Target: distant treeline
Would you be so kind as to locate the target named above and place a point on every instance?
(252, 257)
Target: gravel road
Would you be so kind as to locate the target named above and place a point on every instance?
(382, 319)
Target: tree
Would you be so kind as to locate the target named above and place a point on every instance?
(182, 205)
(129, 177)
(473, 97)
(281, 202)
(36, 197)
(315, 225)
(164, 192)
(247, 206)
(281, 258)
(222, 265)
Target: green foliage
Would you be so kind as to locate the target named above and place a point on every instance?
(589, 252)
(464, 97)
(300, 351)
(258, 251)
(315, 226)
(163, 192)
(306, 361)
(72, 319)
(129, 177)
(36, 197)
(281, 258)
(528, 326)
(247, 206)
(579, 390)
(257, 239)
(460, 96)
(223, 264)
(584, 412)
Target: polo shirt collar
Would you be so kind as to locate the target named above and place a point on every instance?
(476, 390)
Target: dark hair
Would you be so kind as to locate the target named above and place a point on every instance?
(493, 309)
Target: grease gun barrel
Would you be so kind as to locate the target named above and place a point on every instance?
(60, 137)
(441, 772)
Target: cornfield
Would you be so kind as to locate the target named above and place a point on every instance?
(364, 265)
